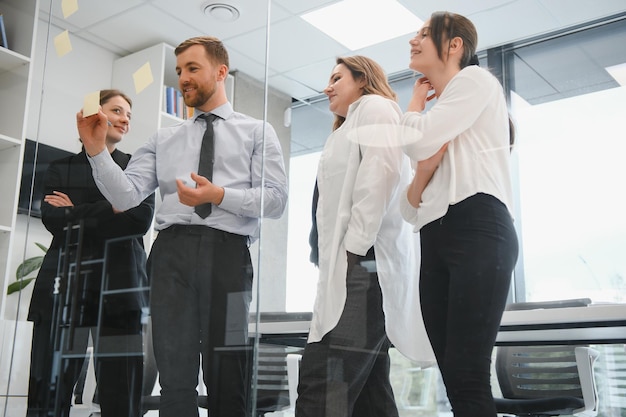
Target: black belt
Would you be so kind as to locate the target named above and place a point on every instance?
(201, 230)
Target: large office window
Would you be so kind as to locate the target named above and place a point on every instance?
(301, 274)
(569, 100)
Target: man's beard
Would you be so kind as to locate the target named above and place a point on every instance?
(201, 97)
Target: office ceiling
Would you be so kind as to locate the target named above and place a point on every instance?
(300, 56)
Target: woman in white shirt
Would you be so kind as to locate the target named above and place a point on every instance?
(366, 254)
(461, 202)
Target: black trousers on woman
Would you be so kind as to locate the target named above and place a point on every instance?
(468, 257)
(118, 364)
(347, 372)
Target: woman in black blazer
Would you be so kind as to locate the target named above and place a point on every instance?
(71, 195)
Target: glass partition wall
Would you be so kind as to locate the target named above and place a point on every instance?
(56, 55)
(579, 67)
(565, 87)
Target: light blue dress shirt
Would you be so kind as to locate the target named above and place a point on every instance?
(245, 149)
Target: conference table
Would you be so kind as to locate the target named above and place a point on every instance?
(593, 324)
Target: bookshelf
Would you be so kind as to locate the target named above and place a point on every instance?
(20, 20)
(20, 17)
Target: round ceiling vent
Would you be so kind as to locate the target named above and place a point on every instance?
(222, 11)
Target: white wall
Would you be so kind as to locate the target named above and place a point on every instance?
(271, 271)
(58, 94)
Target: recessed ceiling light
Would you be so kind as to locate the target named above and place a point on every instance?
(222, 11)
(357, 24)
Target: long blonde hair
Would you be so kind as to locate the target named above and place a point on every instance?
(364, 68)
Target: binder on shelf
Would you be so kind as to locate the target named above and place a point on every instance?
(169, 100)
(174, 104)
(188, 112)
(3, 33)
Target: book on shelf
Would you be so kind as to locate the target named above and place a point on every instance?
(174, 103)
(3, 33)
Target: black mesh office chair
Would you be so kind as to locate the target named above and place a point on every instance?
(273, 384)
(546, 380)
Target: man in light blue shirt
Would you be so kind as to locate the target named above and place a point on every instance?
(200, 267)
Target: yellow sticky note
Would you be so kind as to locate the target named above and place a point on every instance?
(91, 103)
(62, 43)
(69, 7)
(143, 77)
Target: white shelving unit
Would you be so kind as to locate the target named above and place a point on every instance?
(20, 17)
(148, 114)
(20, 21)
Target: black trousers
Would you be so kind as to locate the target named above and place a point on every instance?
(347, 372)
(200, 297)
(118, 362)
(467, 261)
(44, 395)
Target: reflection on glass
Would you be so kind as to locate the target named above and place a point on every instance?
(567, 156)
(50, 97)
(93, 276)
(91, 63)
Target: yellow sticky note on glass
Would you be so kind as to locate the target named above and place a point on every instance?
(91, 103)
(62, 43)
(69, 7)
(143, 77)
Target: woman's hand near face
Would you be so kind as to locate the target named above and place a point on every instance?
(92, 131)
(420, 96)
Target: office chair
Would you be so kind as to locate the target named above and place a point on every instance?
(276, 382)
(546, 380)
(612, 378)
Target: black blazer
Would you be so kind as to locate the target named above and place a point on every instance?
(126, 266)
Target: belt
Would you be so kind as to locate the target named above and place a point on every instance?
(202, 230)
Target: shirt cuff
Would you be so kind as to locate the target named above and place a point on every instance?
(233, 200)
(356, 244)
(101, 163)
(408, 212)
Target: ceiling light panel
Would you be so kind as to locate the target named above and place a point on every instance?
(357, 24)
